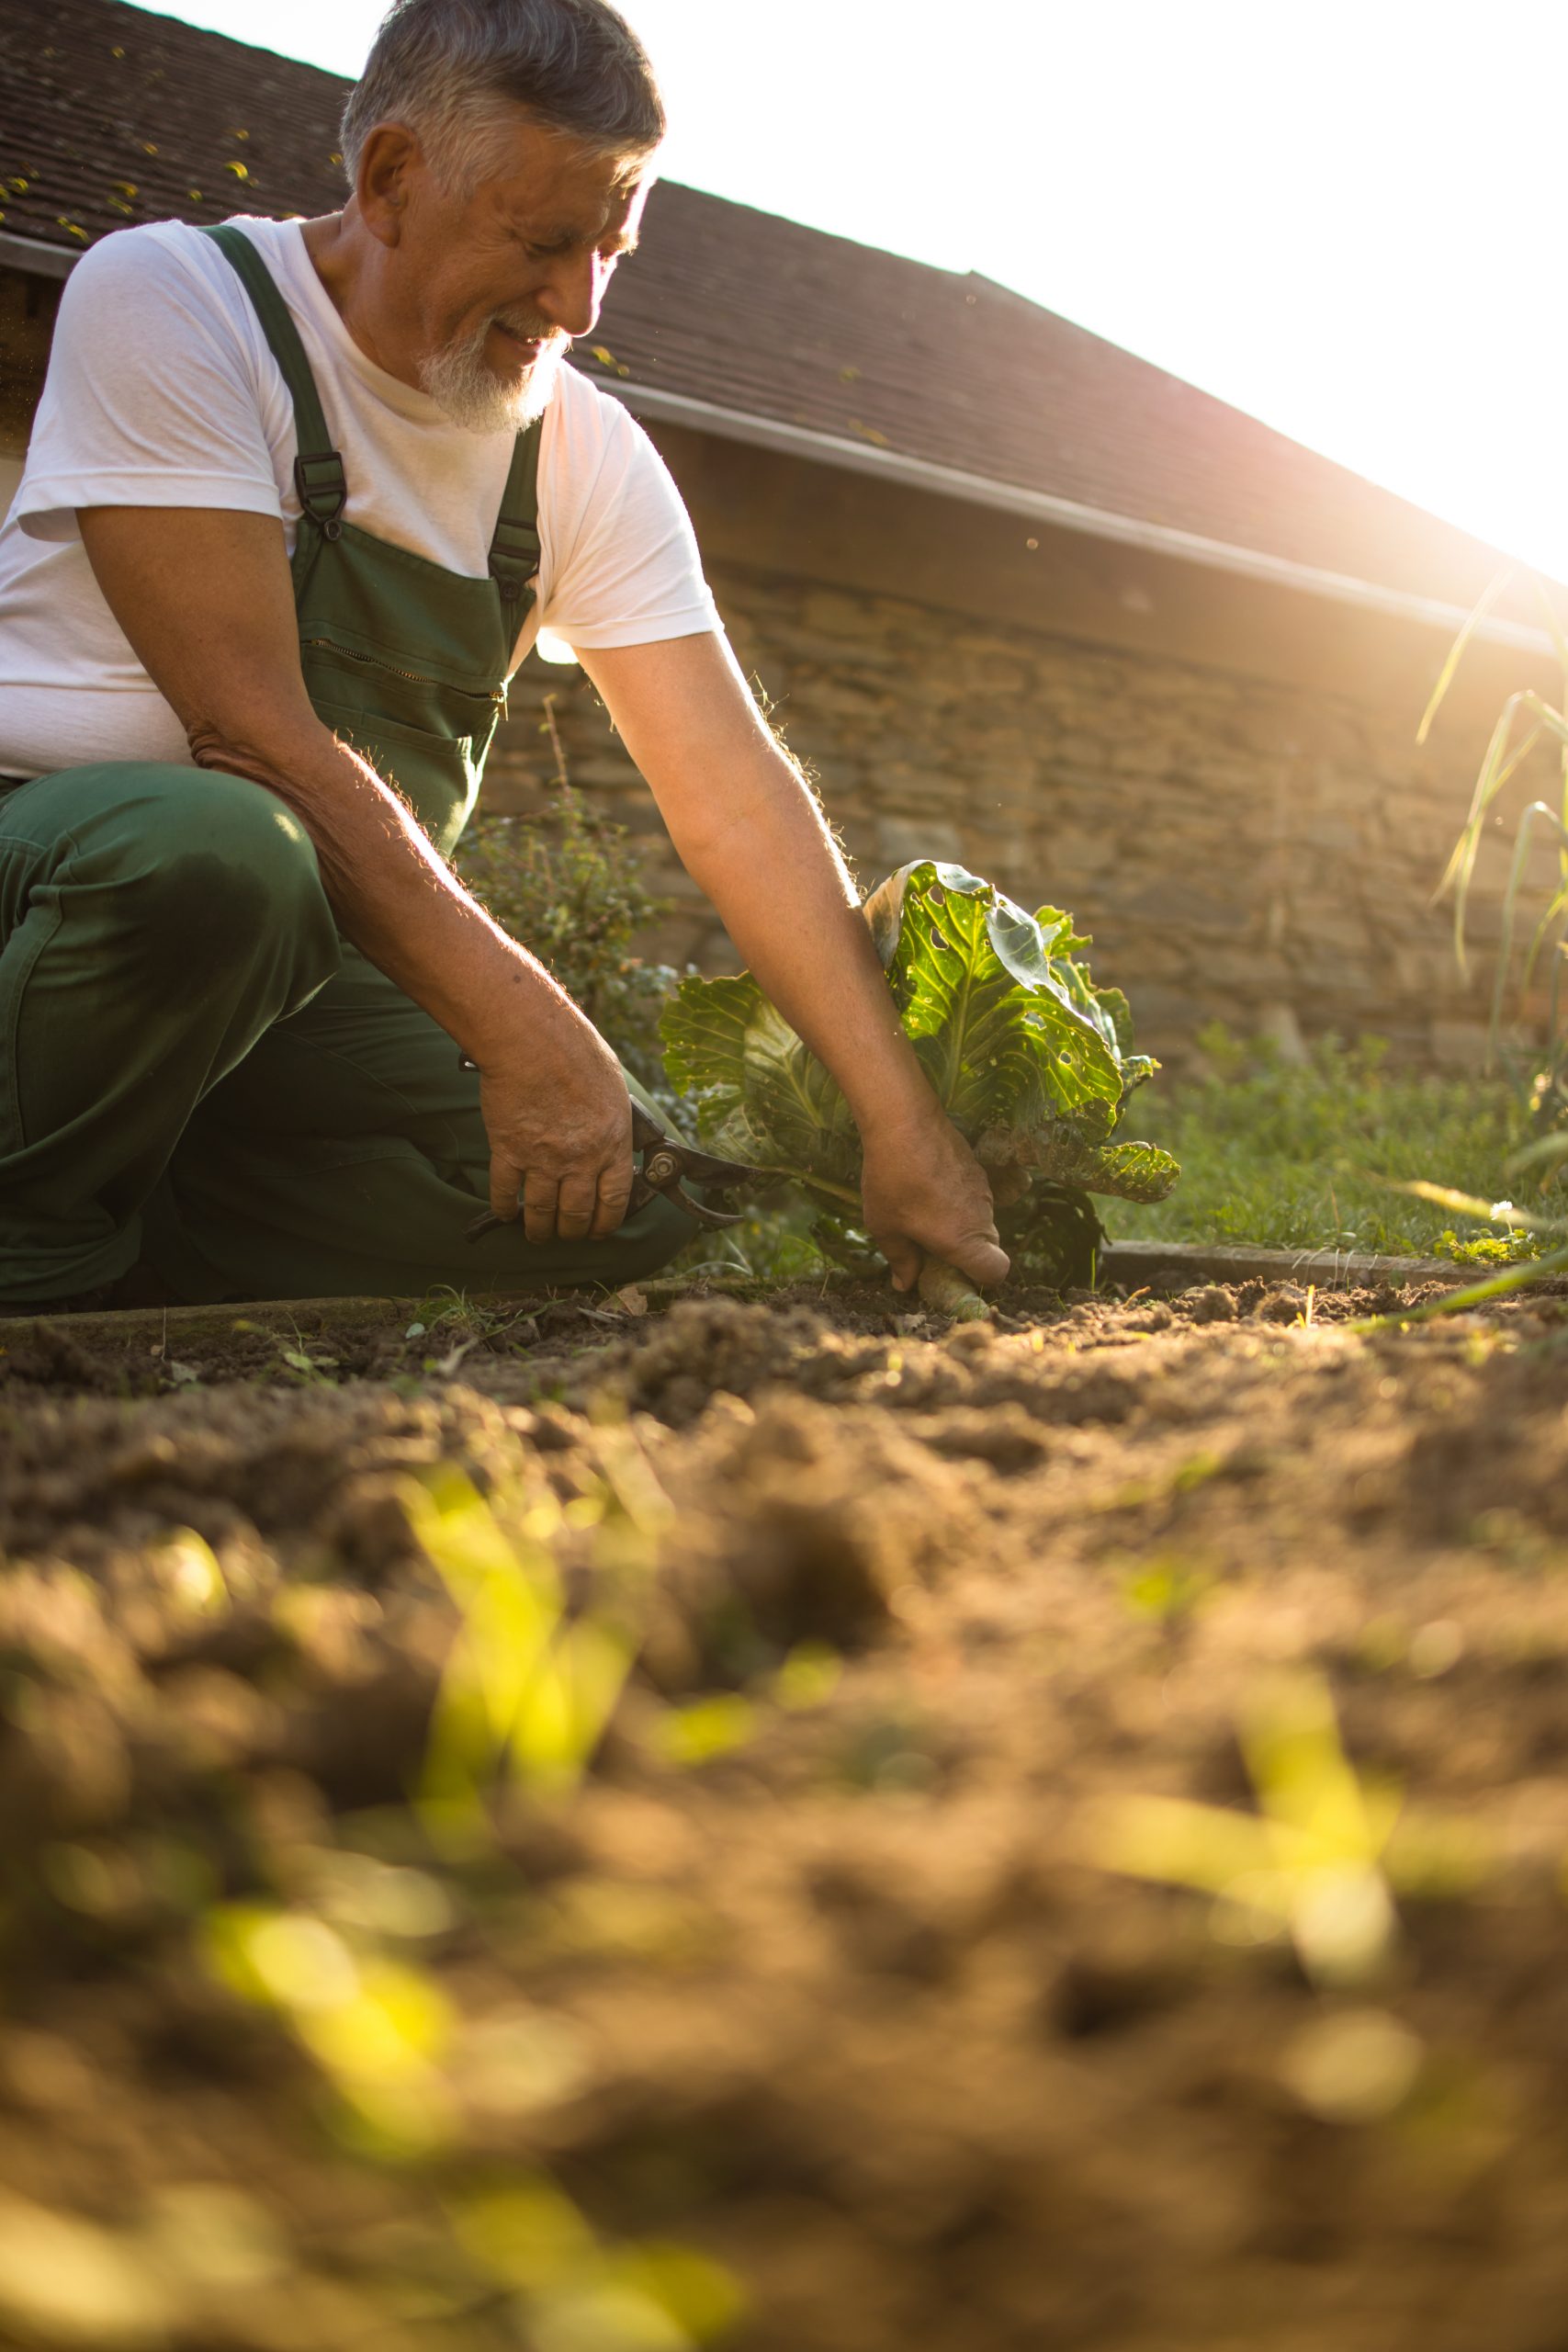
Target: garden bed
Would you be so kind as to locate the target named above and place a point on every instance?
(829, 1987)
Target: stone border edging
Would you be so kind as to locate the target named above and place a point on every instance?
(1131, 1263)
(1328, 1269)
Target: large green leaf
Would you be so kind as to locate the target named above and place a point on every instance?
(1027, 1057)
(994, 1020)
(760, 1095)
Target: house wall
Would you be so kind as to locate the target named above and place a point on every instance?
(27, 305)
(1254, 839)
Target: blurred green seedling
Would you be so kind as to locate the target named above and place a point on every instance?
(1168, 1588)
(808, 1676)
(1320, 1860)
(722, 1721)
(380, 2031)
(377, 2028)
(704, 1729)
(190, 1573)
(576, 2293)
(1308, 1864)
(527, 1690)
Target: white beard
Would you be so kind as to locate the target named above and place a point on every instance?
(470, 393)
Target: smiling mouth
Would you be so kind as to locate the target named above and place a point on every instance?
(532, 345)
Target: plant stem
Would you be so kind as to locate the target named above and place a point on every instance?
(816, 1183)
(563, 777)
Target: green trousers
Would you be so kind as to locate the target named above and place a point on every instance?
(197, 1074)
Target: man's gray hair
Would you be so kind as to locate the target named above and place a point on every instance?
(457, 71)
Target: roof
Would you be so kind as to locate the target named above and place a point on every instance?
(735, 318)
(110, 115)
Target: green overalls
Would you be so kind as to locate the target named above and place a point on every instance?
(196, 1070)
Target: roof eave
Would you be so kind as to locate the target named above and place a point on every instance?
(1066, 513)
(36, 259)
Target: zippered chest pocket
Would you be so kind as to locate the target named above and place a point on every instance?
(403, 696)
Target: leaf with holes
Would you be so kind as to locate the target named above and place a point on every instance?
(1031, 1061)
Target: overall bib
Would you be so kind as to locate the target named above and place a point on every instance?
(196, 1070)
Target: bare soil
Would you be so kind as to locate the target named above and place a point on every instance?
(858, 2006)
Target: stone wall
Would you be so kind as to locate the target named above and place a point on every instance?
(1242, 850)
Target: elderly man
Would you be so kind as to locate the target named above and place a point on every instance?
(299, 495)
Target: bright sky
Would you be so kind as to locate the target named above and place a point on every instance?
(1344, 215)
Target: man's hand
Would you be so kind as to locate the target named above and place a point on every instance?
(924, 1195)
(559, 1124)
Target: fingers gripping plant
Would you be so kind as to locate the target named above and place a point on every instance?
(1032, 1062)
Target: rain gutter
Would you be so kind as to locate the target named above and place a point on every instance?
(1064, 513)
(37, 259)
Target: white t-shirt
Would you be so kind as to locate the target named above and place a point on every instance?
(162, 392)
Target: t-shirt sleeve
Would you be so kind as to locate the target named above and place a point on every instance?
(625, 569)
(151, 396)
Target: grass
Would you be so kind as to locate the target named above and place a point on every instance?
(1281, 1155)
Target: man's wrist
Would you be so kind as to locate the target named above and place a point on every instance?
(903, 1103)
(512, 997)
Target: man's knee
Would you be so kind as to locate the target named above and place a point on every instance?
(215, 869)
(183, 881)
(648, 1240)
(211, 834)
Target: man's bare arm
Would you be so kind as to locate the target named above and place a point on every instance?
(751, 835)
(206, 600)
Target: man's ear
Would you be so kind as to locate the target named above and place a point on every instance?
(388, 163)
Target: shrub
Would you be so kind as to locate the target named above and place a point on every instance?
(567, 885)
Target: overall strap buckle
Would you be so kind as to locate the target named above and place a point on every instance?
(514, 558)
(322, 486)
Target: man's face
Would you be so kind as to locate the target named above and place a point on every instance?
(496, 283)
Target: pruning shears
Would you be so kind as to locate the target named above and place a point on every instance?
(666, 1164)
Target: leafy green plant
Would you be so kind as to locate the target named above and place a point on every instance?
(569, 886)
(1485, 1248)
(1032, 1062)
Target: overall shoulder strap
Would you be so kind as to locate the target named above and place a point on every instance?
(318, 470)
(514, 549)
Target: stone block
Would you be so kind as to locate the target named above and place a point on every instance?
(1147, 756)
(899, 785)
(900, 839)
(1082, 750)
(805, 652)
(838, 698)
(838, 616)
(995, 678)
(1202, 911)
